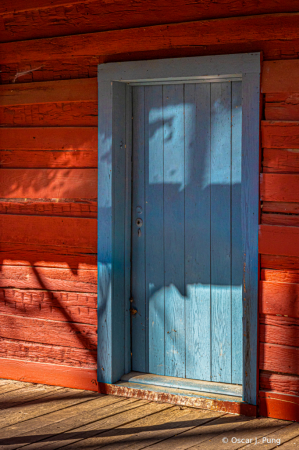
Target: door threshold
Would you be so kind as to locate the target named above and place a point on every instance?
(180, 397)
(148, 379)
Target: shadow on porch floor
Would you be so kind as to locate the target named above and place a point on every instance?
(34, 416)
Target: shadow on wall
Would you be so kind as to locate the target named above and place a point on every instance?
(187, 182)
(181, 183)
(48, 275)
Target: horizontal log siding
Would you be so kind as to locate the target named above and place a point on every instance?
(279, 241)
(236, 31)
(48, 120)
(20, 21)
(48, 210)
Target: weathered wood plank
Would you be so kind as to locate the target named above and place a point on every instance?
(104, 429)
(40, 256)
(26, 394)
(64, 421)
(65, 300)
(84, 67)
(198, 243)
(202, 436)
(60, 306)
(126, 198)
(282, 435)
(84, 90)
(290, 276)
(277, 160)
(9, 386)
(54, 374)
(279, 330)
(221, 264)
(48, 159)
(281, 207)
(279, 298)
(280, 276)
(140, 320)
(49, 138)
(71, 114)
(175, 12)
(279, 187)
(72, 208)
(158, 428)
(19, 5)
(282, 106)
(48, 278)
(47, 353)
(274, 240)
(280, 262)
(280, 406)
(35, 19)
(280, 134)
(255, 429)
(154, 247)
(291, 220)
(57, 399)
(19, 248)
(233, 30)
(48, 332)
(173, 210)
(48, 183)
(5, 382)
(32, 232)
(279, 383)
(41, 71)
(280, 76)
(279, 358)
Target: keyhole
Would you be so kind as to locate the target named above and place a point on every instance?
(139, 222)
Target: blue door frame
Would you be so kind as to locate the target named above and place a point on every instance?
(115, 81)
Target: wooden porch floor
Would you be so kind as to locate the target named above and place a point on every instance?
(34, 416)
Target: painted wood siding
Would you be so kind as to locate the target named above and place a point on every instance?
(27, 65)
(279, 241)
(48, 210)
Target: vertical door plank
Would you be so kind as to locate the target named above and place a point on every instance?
(221, 231)
(237, 266)
(138, 241)
(154, 227)
(128, 214)
(197, 230)
(173, 112)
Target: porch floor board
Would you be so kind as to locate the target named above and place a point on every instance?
(34, 416)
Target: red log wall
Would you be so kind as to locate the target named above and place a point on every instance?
(48, 144)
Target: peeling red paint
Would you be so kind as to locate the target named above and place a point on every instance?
(194, 402)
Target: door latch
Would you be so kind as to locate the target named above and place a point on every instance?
(133, 311)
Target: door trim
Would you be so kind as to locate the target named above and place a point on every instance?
(115, 82)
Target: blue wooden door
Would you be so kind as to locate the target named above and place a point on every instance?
(186, 231)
